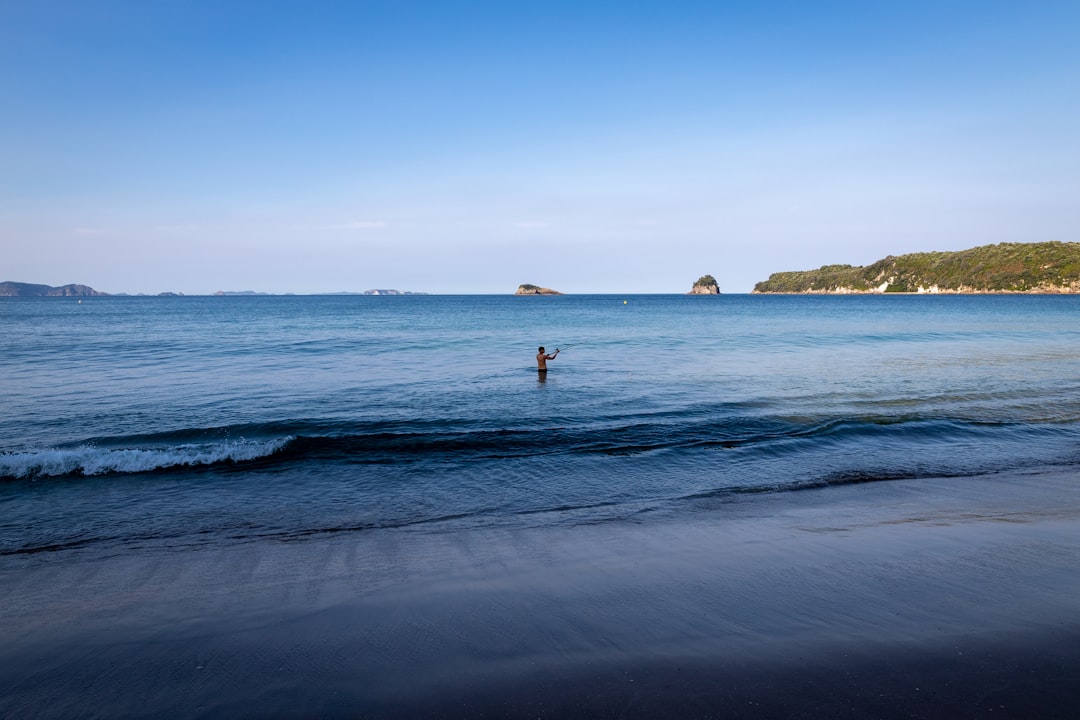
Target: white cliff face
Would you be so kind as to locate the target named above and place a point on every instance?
(1069, 289)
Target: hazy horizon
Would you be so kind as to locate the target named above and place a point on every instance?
(466, 148)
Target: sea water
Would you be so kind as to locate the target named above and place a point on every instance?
(161, 424)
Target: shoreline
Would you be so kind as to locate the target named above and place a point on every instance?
(948, 597)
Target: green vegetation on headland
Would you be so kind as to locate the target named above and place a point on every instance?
(705, 285)
(1046, 267)
(527, 289)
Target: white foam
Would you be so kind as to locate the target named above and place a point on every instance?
(90, 460)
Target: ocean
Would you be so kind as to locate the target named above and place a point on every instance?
(375, 507)
(155, 424)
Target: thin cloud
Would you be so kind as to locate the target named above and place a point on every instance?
(354, 225)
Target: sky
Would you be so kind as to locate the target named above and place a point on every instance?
(464, 147)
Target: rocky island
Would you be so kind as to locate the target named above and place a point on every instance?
(527, 289)
(705, 285)
(1045, 267)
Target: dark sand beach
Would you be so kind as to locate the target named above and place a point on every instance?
(933, 598)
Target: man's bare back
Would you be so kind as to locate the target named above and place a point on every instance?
(542, 357)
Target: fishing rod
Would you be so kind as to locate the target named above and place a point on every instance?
(563, 347)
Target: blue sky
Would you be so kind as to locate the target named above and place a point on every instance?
(468, 147)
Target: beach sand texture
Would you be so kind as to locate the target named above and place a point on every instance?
(912, 598)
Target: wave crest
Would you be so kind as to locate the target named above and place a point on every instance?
(91, 460)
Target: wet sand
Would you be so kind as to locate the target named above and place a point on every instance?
(937, 598)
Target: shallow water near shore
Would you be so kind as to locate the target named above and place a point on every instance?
(136, 423)
(904, 600)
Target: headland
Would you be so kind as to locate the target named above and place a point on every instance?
(17, 289)
(1034, 268)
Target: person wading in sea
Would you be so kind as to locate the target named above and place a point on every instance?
(542, 357)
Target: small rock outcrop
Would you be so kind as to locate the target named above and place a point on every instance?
(527, 289)
(705, 285)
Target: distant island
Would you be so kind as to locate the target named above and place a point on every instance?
(17, 289)
(1045, 267)
(160, 294)
(392, 292)
(527, 289)
(705, 285)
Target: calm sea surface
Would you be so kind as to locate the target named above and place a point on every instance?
(178, 422)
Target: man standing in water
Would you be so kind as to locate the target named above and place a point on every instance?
(542, 357)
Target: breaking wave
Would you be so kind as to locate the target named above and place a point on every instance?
(748, 439)
(91, 460)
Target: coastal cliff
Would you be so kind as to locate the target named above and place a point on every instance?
(527, 289)
(1046, 267)
(16, 289)
(705, 285)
